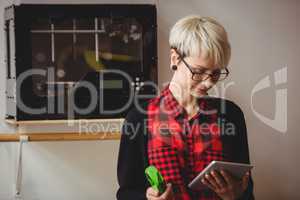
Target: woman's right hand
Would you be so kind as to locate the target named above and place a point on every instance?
(153, 194)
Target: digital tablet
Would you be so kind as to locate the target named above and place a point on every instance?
(236, 169)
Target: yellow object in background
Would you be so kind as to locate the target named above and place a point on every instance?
(90, 59)
(116, 57)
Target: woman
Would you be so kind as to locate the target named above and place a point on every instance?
(183, 129)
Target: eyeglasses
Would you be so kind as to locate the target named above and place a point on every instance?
(202, 74)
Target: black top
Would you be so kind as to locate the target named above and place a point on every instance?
(133, 158)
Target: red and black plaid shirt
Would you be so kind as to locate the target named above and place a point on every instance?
(181, 148)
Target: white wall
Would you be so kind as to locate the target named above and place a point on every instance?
(264, 38)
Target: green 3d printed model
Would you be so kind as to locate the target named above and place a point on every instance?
(155, 179)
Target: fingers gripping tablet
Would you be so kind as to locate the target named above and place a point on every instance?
(236, 169)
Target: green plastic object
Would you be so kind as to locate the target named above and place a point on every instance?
(155, 179)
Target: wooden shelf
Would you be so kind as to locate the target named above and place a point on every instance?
(61, 136)
(43, 122)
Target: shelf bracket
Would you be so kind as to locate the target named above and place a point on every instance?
(18, 184)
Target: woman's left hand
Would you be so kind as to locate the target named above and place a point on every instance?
(226, 185)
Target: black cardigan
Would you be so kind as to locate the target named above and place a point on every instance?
(133, 158)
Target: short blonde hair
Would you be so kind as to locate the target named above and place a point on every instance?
(194, 36)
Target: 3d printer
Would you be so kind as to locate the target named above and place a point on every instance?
(78, 61)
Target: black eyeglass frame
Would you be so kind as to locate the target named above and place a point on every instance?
(209, 75)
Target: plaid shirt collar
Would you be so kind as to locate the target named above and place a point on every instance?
(174, 109)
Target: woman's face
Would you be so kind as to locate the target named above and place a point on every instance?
(183, 74)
